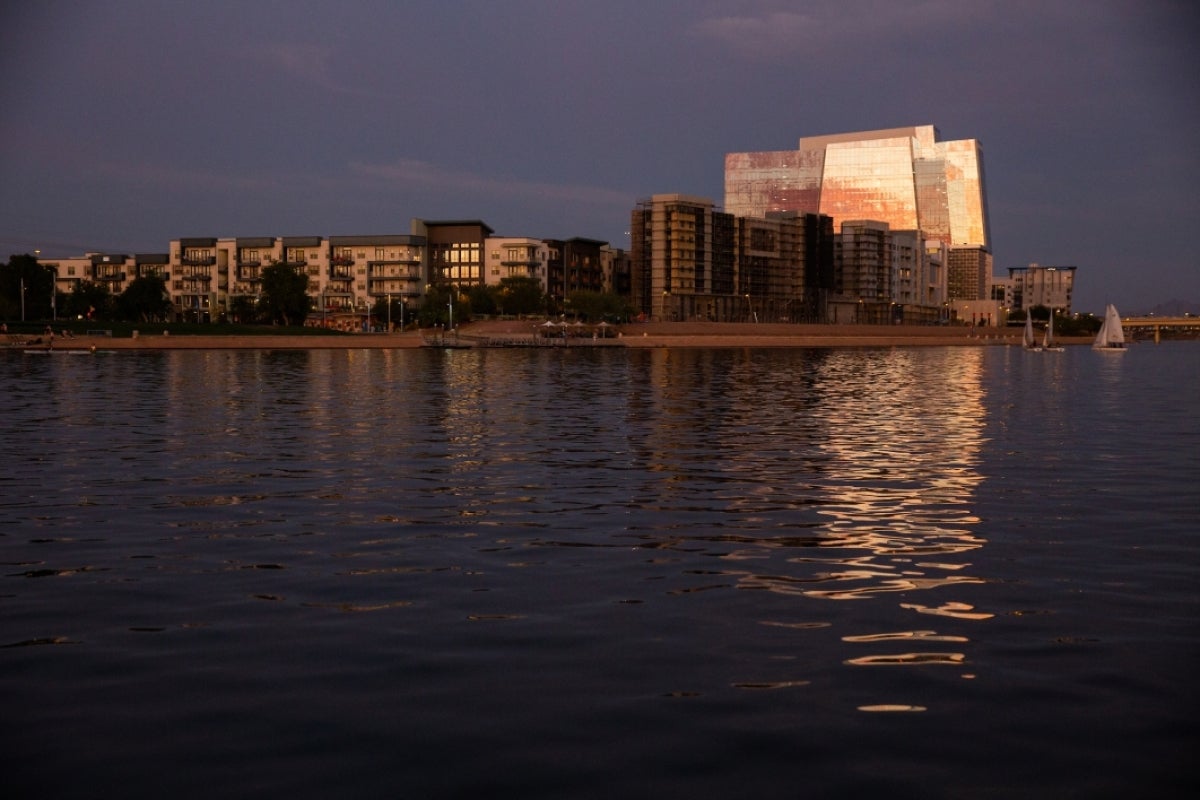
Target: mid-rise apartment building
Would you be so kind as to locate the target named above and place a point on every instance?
(211, 278)
(455, 249)
(515, 257)
(1036, 285)
(575, 265)
(968, 273)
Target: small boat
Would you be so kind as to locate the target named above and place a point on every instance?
(1027, 337)
(1048, 340)
(1111, 338)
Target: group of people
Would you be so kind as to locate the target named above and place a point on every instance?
(47, 337)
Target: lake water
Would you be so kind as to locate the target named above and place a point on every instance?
(600, 573)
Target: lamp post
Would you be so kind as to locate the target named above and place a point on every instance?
(389, 312)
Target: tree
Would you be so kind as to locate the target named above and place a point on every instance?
(391, 309)
(1040, 313)
(483, 299)
(435, 308)
(520, 295)
(145, 299)
(25, 285)
(284, 295)
(243, 309)
(596, 306)
(90, 300)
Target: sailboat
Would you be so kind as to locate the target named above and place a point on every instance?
(1048, 339)
(1111, 338)
(1027, 337)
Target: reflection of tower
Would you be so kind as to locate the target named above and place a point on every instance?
(901, 467)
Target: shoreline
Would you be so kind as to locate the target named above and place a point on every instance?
(517, 334)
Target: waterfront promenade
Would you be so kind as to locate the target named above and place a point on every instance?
(529, 333)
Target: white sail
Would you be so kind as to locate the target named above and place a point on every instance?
(1027, 337)
(1048, 338)
(1111, 335)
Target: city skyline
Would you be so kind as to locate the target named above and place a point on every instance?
(128, 124)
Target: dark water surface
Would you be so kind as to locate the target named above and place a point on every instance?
(935, 572)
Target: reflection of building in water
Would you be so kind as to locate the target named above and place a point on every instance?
(855, 468)
(901, 468)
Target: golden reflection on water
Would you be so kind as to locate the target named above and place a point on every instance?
(879, 450)
(861, 486)
(829, 475)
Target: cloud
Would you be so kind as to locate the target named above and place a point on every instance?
(409, 172)
(175, 179)
(823, 28)
(770, 34)
(308, 63)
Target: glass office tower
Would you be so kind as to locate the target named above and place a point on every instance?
(902, 176)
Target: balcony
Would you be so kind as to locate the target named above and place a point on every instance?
(530, 260)
(198, 261)
(341, 273)
(401, 259)
(341, 261)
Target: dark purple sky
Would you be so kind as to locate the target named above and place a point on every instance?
(127, 124)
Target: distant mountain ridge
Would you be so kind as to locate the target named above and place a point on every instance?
(1171, 308)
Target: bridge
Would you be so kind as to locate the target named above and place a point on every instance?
(1186, 327)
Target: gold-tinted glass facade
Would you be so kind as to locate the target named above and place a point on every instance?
(966, 198)
(901, 176)
(787, 180)
(870, 180)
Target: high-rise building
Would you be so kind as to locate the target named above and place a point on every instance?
(902, 176)
(689, 261)
(681, 247)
